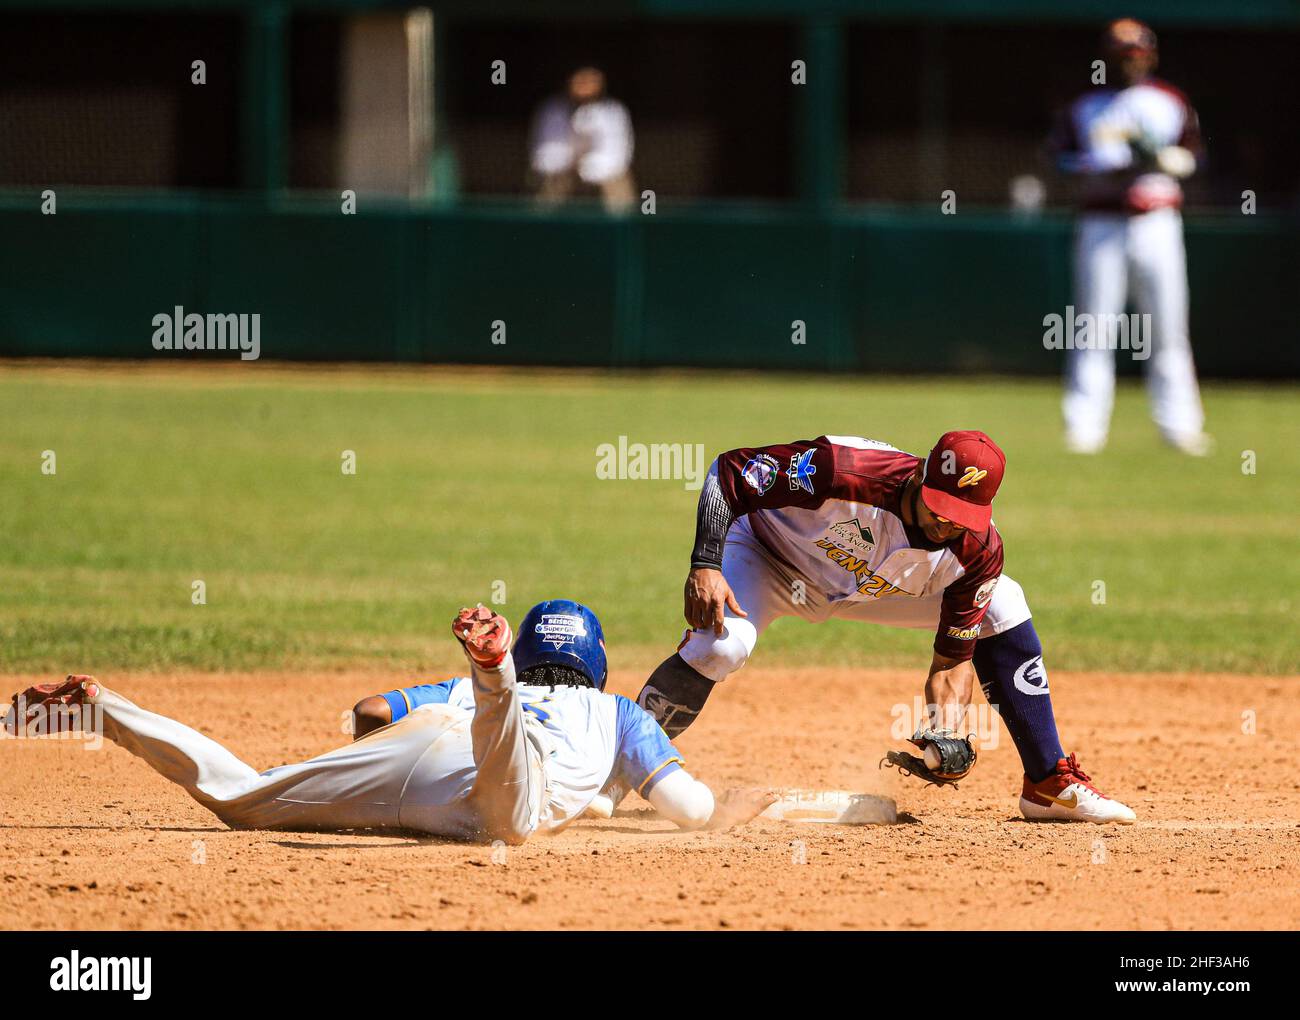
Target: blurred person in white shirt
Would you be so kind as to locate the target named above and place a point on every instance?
(582, 140)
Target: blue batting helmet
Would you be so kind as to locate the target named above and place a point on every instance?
(565, 634)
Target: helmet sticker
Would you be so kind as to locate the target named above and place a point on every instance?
(559, 629)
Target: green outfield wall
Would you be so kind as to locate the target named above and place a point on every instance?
(877, 291)
(876, 288)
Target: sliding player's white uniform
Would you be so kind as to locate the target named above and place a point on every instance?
(488, 759)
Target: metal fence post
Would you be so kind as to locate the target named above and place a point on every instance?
(819, 145)
(263, 118)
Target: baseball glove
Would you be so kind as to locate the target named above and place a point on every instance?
(946, 758)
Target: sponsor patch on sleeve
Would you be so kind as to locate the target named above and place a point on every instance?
(760, 472)
(801, 471)
(985, 591)
(964, 633)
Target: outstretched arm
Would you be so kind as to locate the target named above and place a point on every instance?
(646, 761)
(948, 691)
(690, 804)
(948, 757)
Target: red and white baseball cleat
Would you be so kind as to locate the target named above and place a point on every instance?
(1067, 795)
(75, 689)
(486, 636)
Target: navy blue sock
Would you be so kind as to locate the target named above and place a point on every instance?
(1011, 672)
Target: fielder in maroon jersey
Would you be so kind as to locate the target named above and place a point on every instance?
(853, 528)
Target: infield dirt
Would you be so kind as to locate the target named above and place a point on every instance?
(95, 839)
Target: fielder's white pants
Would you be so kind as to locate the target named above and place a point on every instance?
(436, 770)
(1116, 256)
(766, 589)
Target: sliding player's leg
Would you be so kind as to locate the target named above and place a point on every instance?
(353, 787)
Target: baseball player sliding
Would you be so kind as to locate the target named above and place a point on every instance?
(1131, 145)
(523, 745)
(856, 529)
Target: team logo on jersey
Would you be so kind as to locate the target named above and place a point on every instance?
(536, 708)
(559, 630)
(869, 583)
(985, 591)
(851, 533)
(760, 472)
(1031, 677)
(971, 476)
(801, 470)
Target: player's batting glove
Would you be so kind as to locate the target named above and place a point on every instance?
(485, 635)
(946, 757)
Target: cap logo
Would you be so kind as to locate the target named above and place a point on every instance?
(971, 477)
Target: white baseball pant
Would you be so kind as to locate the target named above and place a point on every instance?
(434, 770)
(1142, 255)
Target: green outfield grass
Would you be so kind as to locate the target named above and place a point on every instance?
(469, 478)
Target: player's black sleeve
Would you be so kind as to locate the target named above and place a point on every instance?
(713, 518)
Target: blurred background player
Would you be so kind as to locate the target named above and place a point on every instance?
(856, 529)
(583, 140)
(1131, 142)
(489, 758)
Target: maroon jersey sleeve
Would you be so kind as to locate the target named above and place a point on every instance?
(787, 474)
(966, 600)
(808, 472)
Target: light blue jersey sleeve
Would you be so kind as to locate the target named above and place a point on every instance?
(404, 699)
(643, 754)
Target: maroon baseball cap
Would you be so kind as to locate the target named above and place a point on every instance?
(962, 475)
